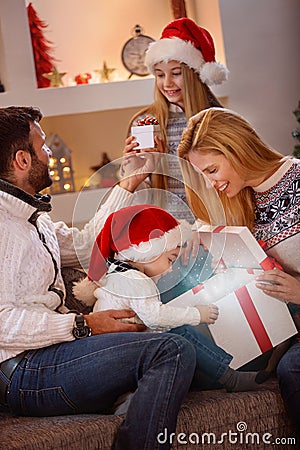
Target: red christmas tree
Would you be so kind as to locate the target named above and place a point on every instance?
(42, 49)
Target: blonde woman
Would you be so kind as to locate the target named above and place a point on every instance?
(258, 188)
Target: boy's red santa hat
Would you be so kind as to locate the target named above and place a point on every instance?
(138, 233)
(184, 41)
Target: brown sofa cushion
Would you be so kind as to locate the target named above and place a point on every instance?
(213, 412)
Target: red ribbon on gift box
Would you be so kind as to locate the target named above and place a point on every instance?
(253, 319)
(197, 288)
(269, 262)
(218, 229)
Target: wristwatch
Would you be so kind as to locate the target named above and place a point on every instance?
(81, 330)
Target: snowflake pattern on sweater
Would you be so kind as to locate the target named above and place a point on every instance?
(278, 209)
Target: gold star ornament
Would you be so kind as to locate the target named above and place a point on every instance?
(55, 77)
(105, 72)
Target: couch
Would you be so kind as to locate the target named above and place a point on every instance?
(214, 420)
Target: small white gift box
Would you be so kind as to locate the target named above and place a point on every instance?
(250, 322)
(145, 135)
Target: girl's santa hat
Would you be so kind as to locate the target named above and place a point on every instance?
(138, 233)
(184, 41)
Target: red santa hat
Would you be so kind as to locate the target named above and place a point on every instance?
(184, 41)
(137, 233)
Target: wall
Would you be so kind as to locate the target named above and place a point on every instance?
(84, 34)
(90, 134)
(261, 43)
(94, 32)
(261, 40)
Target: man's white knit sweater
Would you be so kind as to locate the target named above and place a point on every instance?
(32, 250)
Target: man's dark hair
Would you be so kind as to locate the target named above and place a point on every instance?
(14, 134)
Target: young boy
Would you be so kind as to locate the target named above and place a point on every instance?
(136, 247)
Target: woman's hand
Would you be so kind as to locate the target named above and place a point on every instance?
(109, 322)
(279, 285)
(138, 164)
(191, 249)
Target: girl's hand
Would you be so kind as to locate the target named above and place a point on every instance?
(279, 285)
(138, 164)
(130, 145)
(159, 144)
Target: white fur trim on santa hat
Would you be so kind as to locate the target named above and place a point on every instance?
(149, 250)
(176, 49)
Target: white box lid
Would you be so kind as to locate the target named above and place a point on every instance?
(144, 129)
(234, 246)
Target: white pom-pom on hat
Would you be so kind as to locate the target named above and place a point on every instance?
(84, 291)
(184, 41)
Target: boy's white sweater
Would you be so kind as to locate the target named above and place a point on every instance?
(136, 291)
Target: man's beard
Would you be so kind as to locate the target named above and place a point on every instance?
(38, 176)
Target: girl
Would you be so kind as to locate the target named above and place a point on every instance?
(183, 63)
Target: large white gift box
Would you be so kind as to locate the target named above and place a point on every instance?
(145, 135)
(250, 322)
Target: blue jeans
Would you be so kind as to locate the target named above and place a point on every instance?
(88, 375)
(288, 373)
(211, 360)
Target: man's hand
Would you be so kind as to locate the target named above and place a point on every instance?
(280, 285)
(108, 322)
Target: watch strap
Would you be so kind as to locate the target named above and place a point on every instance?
(81, 329)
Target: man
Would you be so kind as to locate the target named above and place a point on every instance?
(54, 363)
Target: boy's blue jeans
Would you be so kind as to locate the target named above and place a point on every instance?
(88, 375)
(211, 360)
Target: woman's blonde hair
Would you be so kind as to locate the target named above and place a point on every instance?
(222, 131)
(196, 96)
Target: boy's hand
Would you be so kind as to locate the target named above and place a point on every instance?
(208, 313)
